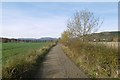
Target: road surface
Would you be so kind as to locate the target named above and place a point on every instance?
(58, 65)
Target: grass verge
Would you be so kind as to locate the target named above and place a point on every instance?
(97, 61)
(19, 67)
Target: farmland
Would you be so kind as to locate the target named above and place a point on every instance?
(20, 57)
(114, 45)
(12, 49)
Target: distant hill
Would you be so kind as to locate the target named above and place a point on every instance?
(106, 36)
(48, 38)
(26, 38)
(40, 39)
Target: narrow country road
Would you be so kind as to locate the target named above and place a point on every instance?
(58, 65)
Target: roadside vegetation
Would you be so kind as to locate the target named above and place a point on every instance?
(20, 60)
(97, 60)
(0, 60)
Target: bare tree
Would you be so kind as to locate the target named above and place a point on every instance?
(83, 23)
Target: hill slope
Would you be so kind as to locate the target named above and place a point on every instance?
(105, 36)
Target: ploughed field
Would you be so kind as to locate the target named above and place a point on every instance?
(109, 44)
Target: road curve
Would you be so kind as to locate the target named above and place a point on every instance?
(58, 65)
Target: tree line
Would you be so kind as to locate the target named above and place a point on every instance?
(6, 40)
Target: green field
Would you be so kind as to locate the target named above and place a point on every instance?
(11, 49)
(20, 57)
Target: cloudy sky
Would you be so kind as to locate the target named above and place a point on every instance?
(48, 19)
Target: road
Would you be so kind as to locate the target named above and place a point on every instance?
(58, 65)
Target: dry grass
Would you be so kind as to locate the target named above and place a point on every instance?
(18, 65)
(96, 60)
(108, 44)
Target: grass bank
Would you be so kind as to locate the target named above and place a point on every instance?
(24, 66)
(97, 61)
